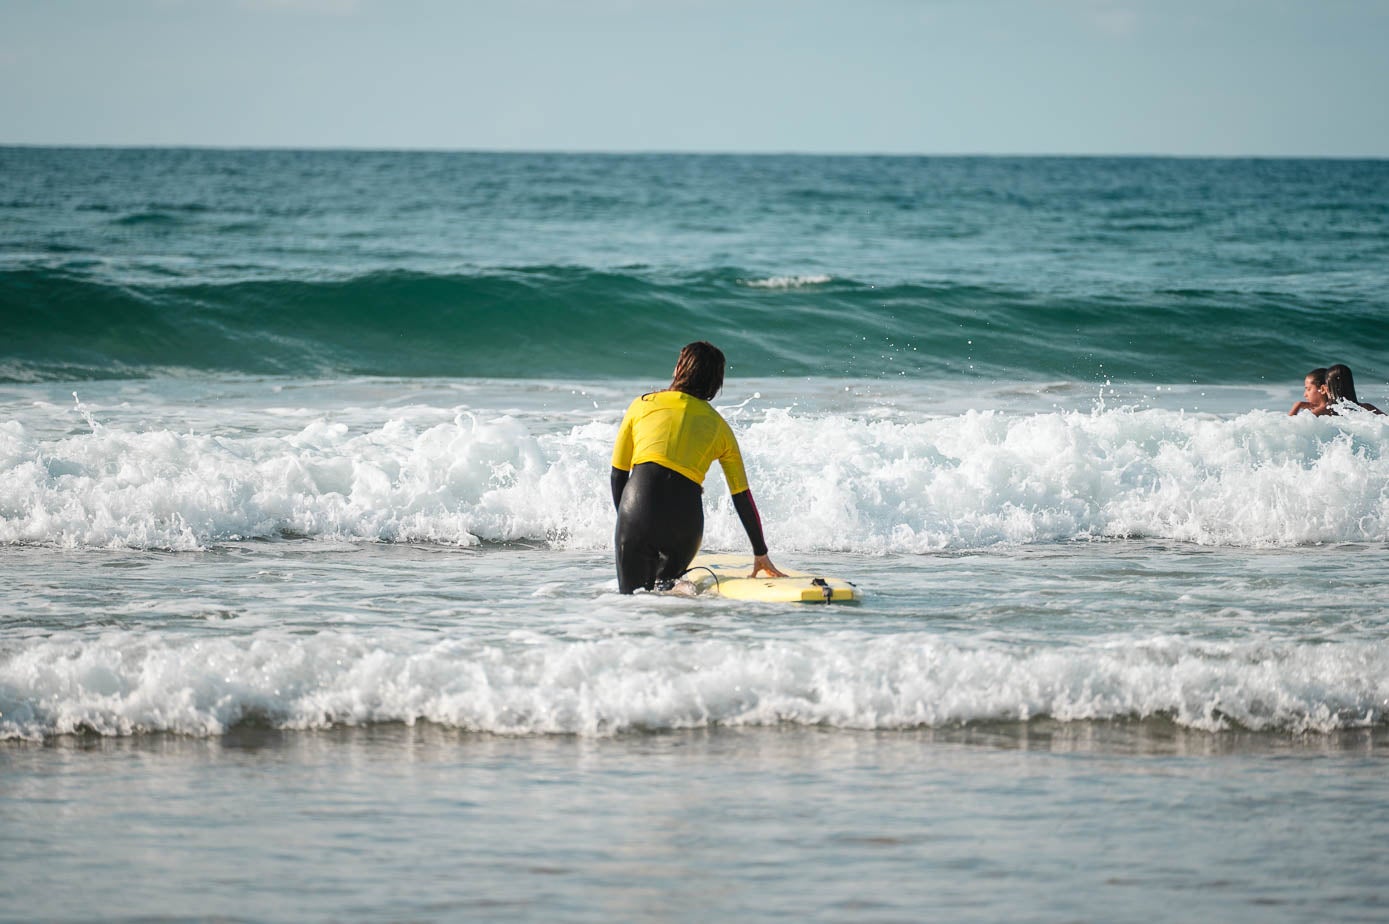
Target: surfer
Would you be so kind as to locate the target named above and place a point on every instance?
(1313, 394)
(667, 441)
(1340, 389)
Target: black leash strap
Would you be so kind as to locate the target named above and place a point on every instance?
(703, 568)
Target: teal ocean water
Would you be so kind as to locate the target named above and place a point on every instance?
(307, 608)
(136, 262)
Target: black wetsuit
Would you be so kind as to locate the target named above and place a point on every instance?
(660, 522)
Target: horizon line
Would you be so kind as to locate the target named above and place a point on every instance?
(662, 152)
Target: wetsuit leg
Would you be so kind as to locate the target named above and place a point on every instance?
(660, 522)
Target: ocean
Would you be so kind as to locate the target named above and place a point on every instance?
(307, 604)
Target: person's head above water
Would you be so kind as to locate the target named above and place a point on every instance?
(699, 370)
(1313, 385)
(1340, 385)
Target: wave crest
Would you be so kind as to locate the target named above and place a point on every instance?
(788, 282)
(875, 486)
(125, 684)
(565, 321)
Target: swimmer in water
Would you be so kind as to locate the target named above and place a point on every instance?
(1340, 390)
(667, 441)
(1313, 394)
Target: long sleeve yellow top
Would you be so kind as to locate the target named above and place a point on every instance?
(682, 433)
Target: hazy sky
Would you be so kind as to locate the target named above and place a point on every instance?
(1217, 77)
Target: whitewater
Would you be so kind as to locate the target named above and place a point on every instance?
(492, 495)
(890, 481)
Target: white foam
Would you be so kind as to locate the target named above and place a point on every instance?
(128, 683)
(984, 478)
(449, 482)
(885, 482)
(788, 282)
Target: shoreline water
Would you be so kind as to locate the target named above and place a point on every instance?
(534, 641)
(426, 824)
(1156, 738)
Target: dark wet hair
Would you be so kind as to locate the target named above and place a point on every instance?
(1318, 376)
(1340, 384)
(699, 370)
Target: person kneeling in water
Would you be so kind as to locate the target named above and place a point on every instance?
(667, 441)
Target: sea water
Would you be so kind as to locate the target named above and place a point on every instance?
(308, 608)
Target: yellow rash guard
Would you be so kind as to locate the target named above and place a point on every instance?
(682, 433)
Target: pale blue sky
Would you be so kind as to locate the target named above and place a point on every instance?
(1198, 77)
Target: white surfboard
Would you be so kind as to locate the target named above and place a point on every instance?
(728, 576)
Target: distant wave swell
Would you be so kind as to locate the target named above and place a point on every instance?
(65, 324)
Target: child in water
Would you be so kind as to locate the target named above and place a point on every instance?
(1340, 390)
(1314, 396)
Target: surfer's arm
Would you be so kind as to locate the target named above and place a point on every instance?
(618, 481)
(752, 522)
(731, 459)
(622, 457)
(752, 525)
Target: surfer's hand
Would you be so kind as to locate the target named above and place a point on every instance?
(762, 563)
